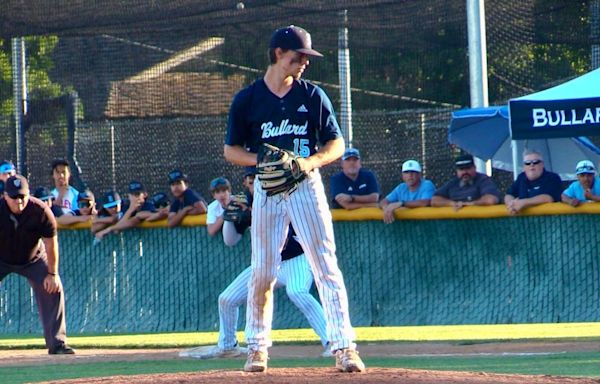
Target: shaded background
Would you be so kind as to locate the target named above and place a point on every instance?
(151, 82)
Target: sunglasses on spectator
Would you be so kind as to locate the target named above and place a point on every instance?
(84, 204)
(532, 162)
(19, 196)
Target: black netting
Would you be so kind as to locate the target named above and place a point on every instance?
(150, 84)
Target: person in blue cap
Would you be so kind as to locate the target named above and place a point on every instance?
(186, 201)
(354, 186)
(286, 111)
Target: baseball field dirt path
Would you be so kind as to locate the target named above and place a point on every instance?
(319, 375)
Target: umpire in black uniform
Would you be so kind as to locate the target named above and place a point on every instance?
(24, 220)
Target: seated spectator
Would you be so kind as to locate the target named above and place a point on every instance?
(45, 196)
(586, 188)
(110, 212)
(161, 204)
(84, 213)
(412, 193)
(469, 187)
(136, 209)
(7, 169)
(535, 185)
(65, 196)
(354, 187)
(186, 202)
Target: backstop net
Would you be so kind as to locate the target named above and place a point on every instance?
(131, 90)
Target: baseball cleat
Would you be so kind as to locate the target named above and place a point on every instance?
(347, 360)
(327, 352)
(256, 362)
(61, 349)
(213, 352)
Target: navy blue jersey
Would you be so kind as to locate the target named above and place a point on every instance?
(365, 184)
(189, 197)
(299, 121)
(146, 206)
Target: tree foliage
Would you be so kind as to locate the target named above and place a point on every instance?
(38, 63)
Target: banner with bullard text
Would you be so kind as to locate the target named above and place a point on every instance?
(536, 119)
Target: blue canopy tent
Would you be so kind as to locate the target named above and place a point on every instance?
(567, 110)
(485, 133)
(553, 121)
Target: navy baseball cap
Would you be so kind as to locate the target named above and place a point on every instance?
(464, 161)
(160, 200)
(111, 199)
(7, 167)
(176, 175)
(136, 187)
(219, 183)
(43, 194)
(16, 185)
(293, 38)
(351, 152)
(86, 195)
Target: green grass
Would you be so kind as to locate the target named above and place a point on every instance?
(565, 364)
(562, 364)
(453, 333)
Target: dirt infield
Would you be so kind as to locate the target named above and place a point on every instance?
(329, 375)
(320, 375)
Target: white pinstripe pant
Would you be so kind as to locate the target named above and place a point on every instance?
(308, 211)
(295, 275)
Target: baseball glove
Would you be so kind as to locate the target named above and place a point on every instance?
(237, 210)
(278, 170)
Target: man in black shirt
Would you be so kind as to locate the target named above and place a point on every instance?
(24, 220)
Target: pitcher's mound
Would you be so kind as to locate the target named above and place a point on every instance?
(330, 375)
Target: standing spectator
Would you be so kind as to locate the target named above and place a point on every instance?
(186, 202)
(587, 186)
(469, 187)
(29, 247)
(533, 186)
(412, 193)
(136, 209)
(65, 196)
(354, 187)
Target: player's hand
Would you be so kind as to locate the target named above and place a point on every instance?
(305, 164)
(52, 283)
(575, 202)
(588, 194)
